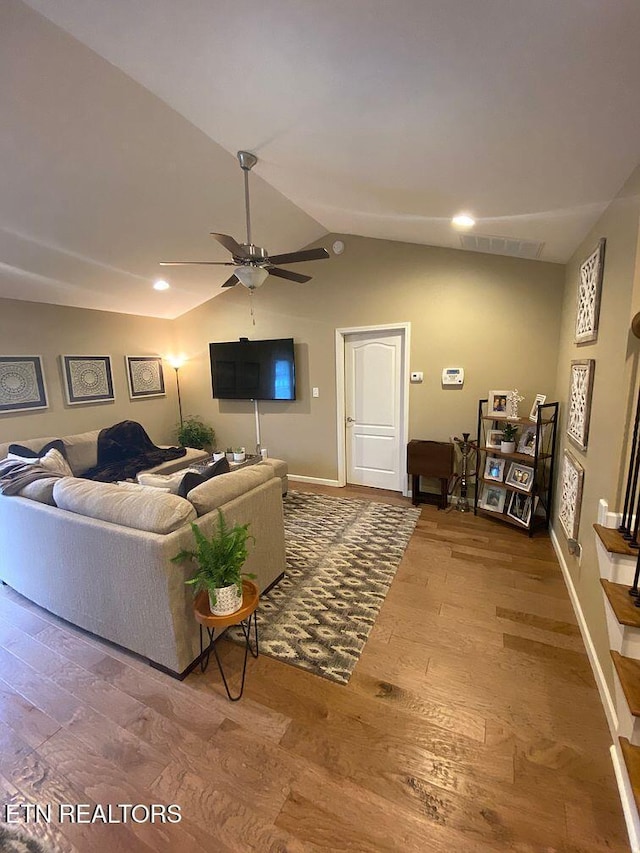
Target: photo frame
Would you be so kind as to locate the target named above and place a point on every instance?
(570, 503)
(527, 441)
(494, 469)
(145, 376)
(492, 498)
(519, 508)
(580, 393)
(87, 379)
(539, 400)
(588, 296)
(498, 404)
(494, 439)
(22, 385)
(520, 476)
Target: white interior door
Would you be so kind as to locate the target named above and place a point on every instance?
(373, 408)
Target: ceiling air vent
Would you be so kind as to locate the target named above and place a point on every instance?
(501, 246)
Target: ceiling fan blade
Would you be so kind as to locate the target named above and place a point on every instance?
(231, 282)
(231, 245)
(296, 257)
(197, 263)
(292, 276)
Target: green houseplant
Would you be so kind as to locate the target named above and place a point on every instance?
(220, 558)
(508, 442)
(193, 432)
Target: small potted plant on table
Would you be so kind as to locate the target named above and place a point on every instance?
(508, 442)
(220, 558)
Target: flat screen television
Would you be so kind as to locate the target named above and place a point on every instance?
(253, 370)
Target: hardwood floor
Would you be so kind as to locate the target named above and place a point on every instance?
(471, 723)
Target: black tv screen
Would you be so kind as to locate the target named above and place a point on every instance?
(253, 370)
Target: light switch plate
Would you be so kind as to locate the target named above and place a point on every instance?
(417, 376)
(315, 392)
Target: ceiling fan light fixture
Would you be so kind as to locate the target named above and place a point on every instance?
(251, 277)
(161, 284)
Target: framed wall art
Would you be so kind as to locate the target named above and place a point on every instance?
(145, 376)
(580, 391)
(589, 290)
(87, 379)
(498, 405)
(22, 387)
(571, 482)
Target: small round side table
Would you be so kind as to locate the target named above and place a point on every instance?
(243, 617)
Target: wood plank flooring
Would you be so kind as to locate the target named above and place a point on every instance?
(471, 723)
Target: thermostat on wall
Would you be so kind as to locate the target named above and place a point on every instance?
(452, 375)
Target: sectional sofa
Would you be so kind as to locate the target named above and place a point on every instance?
(99, 554)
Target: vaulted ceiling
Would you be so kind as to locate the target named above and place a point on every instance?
(120, 123)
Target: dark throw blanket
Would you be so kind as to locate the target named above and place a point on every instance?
(124, 450)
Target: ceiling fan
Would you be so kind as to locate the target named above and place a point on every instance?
(253, 264)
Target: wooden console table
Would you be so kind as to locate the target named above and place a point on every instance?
(430, 459)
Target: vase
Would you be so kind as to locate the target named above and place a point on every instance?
(228, 600)
(507, 447)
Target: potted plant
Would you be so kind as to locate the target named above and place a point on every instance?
(229, 454)
(508, 442)
(220, 558)
(192, 432)
(239, 454)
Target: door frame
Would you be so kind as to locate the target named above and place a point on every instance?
(404, 329)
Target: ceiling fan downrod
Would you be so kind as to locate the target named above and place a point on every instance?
(247, 161)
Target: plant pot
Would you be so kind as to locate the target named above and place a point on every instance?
(228, 600)
(229, 457)
(239, 457)
(507, 447)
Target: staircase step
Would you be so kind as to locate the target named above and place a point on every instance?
(631, 755)
(628, 671)
(613, 541)
(622, 603)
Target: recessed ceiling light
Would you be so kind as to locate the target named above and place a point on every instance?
(463, 220)
(161, 284)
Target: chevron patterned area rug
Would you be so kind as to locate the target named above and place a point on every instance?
(342, 555)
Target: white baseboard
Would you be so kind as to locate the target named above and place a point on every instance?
(603, 688)
(626, 797)
(319, 481)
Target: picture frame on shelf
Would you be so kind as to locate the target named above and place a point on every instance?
(520, 476)
(539, 400)
(494, 439)
(22, 385)
(588, 295)
(498, 404)
(527, 441)
(87, 379)
(570, 504)
(519, 508)
(580, 393)
(494, 469)
(493, 498)
(145, 376)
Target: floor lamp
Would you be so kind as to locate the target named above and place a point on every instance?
(177, 363)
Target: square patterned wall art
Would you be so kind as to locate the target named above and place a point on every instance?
(580, 390)
(22, 386)
(145, 376)
(589, 289)
(570, 495)
(87, 379)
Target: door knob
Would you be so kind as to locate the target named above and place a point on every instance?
(351, 420)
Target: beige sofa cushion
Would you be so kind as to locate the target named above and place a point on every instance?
(40, 490)
(143, 509)
(225, 487)
(82, 450)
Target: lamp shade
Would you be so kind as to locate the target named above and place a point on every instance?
(251, 277)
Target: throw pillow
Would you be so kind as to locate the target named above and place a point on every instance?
(133, 487)
(171, 482)
(192, 479)
(27, 453)
(53, 460)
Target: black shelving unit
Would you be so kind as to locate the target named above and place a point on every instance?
(541, 460)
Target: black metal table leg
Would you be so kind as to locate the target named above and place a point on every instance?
(246, 630)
